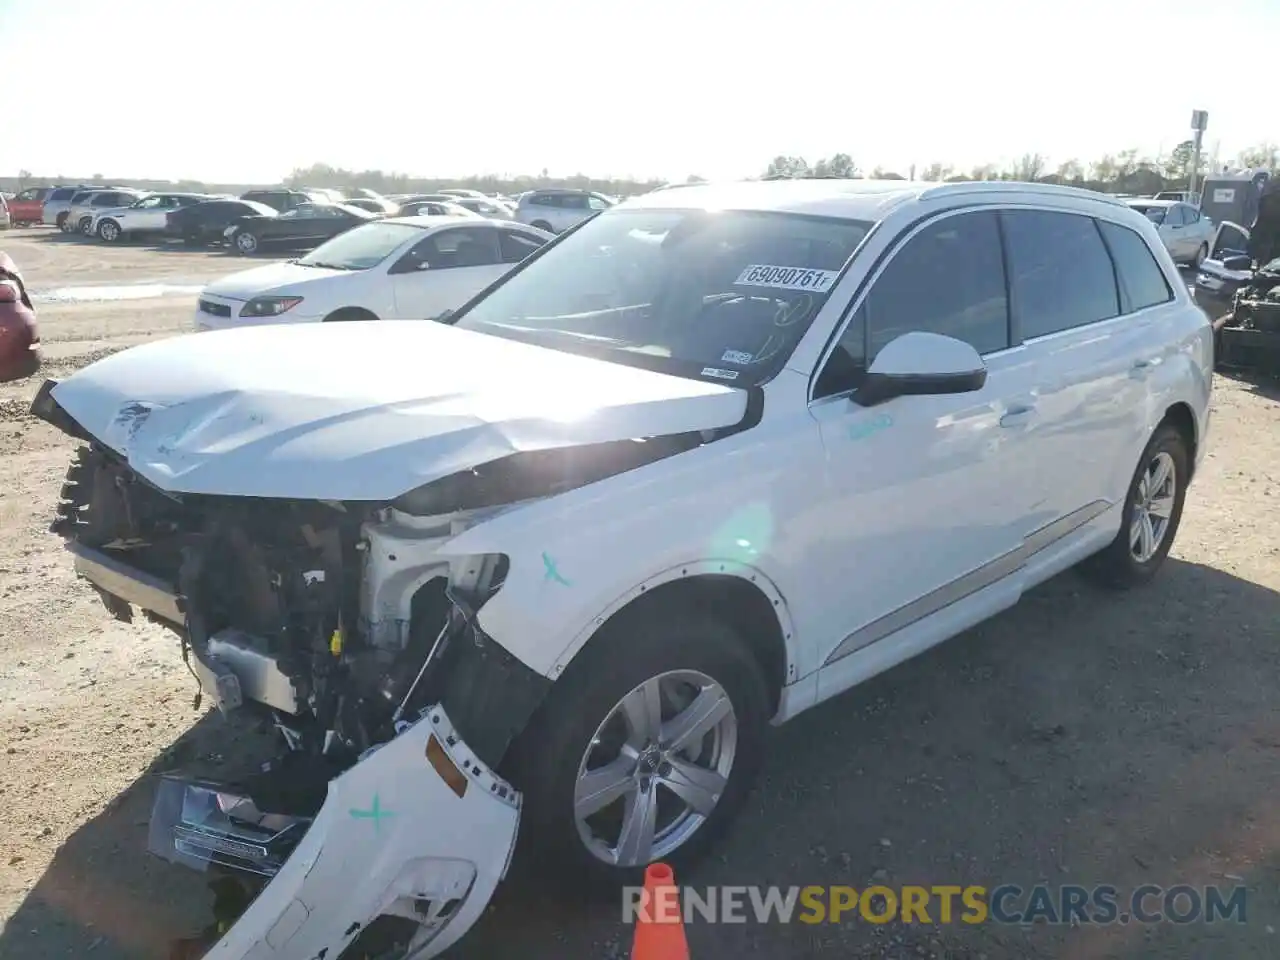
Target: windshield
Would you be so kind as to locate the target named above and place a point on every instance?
(715, 295)
(364, 247)
(1154, 214)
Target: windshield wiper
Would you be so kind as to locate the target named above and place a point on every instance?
(322, 265)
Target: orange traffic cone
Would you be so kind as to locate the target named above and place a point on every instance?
(660, 924)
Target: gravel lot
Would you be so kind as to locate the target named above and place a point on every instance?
(1081, 738)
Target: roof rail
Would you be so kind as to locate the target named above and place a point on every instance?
(997, 187)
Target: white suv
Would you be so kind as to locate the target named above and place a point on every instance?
(558, 210)
(710, 459)
(146, 215)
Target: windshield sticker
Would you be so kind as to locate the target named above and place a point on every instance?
(720, 374)
(736, 356)
(787, 278)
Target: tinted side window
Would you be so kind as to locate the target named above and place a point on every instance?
(462, 247)
(848, 361)
(1142, 282)
(60, 195)
(947, 279)
(515, 246)
(545, 199)
(1174, 218)
(1059, 271)
(1192, 214)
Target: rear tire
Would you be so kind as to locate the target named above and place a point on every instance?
(61, 223)
(1139, 550)
(109, 231)
(84, 226)
(681, 652)
(246, 243)
(1201, 255)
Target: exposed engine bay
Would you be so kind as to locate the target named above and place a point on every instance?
(348, 627)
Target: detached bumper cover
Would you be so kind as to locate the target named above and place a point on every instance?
(393, 838)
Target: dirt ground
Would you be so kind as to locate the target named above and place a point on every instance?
(1083, 738)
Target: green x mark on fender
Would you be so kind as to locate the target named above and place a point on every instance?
(552, 572)
(374, 813)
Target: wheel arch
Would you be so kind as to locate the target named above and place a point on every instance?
(1179, 416)
(740, 594)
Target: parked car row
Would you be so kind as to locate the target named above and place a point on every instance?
(282, 217)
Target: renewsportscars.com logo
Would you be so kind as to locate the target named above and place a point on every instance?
(1004, 904)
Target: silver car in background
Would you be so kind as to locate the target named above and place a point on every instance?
(558, 209)
(84, 206)
(1186, 233)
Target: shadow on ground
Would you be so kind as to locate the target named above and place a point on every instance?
(1083, 738)
(1262, 384)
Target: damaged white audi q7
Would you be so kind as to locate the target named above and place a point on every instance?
(554, 564)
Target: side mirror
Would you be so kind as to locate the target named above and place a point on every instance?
(921, 364)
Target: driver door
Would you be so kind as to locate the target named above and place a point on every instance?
(444, 270)
(927, 498)
(150, 213)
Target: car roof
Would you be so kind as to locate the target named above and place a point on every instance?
(1150, 202)
(848, 199)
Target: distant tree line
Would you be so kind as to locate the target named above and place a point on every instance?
(1124, 172)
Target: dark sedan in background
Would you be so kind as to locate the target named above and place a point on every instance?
(306, 225)
(204, 223)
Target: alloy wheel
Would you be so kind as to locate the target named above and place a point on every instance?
(1153, 507)
(655, 769)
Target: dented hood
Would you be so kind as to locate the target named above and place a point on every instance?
(364, 411)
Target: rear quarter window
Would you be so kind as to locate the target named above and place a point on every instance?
(1142, 282)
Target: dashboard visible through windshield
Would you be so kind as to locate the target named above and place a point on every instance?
(720, 295)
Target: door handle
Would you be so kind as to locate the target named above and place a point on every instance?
(1017, 416)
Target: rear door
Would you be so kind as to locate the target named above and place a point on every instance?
(444, 270)
(1089, 404)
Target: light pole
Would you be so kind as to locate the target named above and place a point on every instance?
(1199, 120)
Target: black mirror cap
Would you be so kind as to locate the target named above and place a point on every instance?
(879, 387)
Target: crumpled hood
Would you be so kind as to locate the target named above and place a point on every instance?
(364, 411)
(266, 279)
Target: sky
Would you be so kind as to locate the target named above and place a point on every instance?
(247, 90)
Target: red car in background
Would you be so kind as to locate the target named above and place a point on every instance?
(28, 206)
(19, 338)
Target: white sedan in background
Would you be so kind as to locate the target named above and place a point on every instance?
(404, 268)
(1185, 232)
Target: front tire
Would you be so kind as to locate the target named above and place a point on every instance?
(645, 751)
(1152, 513)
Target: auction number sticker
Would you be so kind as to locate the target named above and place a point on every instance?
(787, 278)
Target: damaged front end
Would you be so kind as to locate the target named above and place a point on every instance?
(382, 826)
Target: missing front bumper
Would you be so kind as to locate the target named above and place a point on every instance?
(393, 839)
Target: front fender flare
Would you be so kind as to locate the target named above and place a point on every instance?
(504, 616)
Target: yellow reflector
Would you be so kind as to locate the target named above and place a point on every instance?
(444, 765)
